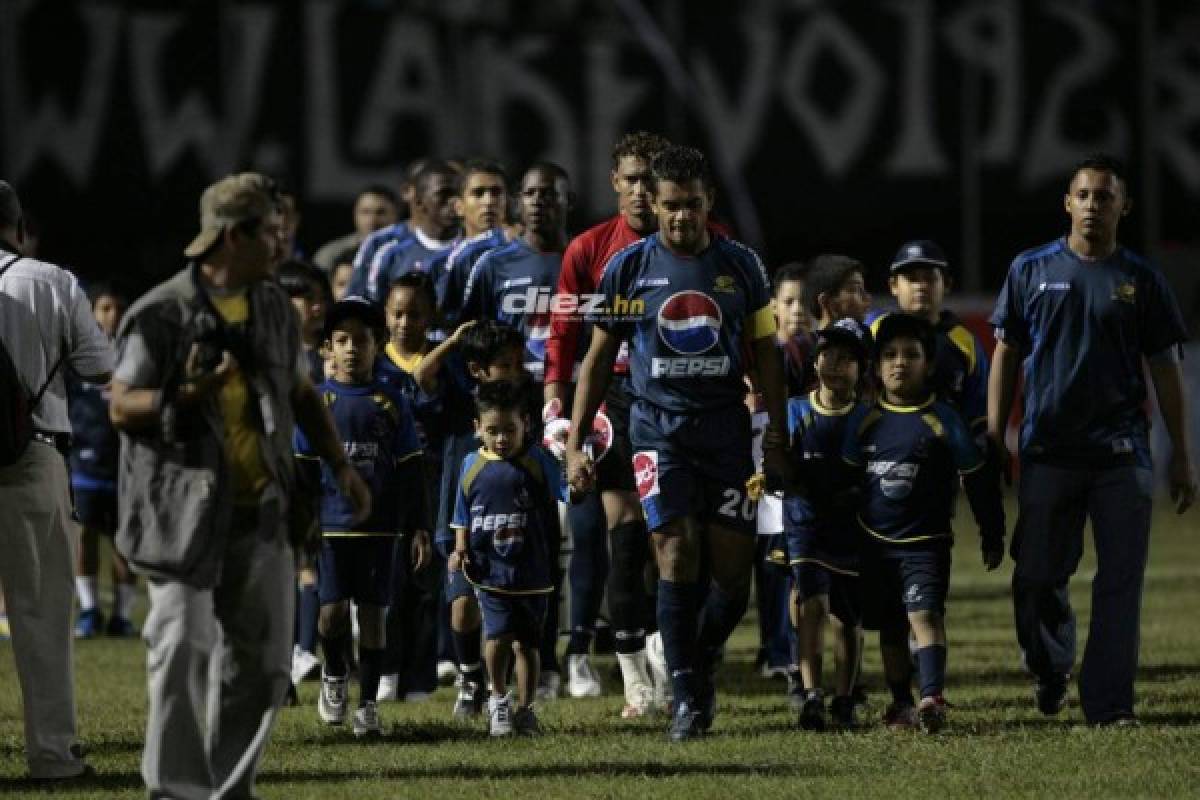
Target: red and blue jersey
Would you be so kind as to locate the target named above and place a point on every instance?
(688, 320)
(912, 457)
(514, 284)
(509, 509)
(375, 425)
(1082, 329)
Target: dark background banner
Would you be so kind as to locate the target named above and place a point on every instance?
(847, 126)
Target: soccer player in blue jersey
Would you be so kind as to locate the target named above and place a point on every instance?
(819, 526)
(505, 516)
(429, 234)
(375, 424)
(93, 463)
(484, 201)
(914, 448)
(1082, 318)
(477, 353)
(690, 303)
(920, 278)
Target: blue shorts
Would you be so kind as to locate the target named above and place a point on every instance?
(695, 464)
(899, 580)
(521, 616)
(357, 568)
(813, 579)
(96, 509)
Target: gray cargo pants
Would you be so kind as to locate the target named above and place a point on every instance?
(218, 668)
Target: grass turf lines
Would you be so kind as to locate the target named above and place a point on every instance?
(996, 743)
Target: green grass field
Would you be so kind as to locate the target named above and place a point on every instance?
(996, 745)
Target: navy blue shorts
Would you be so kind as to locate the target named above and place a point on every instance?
(521, 616)
(613, 470)
(693, 464)
(357, 568)
(814, 578)
(897, 581)
(96, 509)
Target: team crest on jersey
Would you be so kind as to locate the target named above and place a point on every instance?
(896, 482)
(1125, 293)
(689, 322)
(507, 541)
(725, 283)
(645, 472)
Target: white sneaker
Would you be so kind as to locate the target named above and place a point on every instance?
(331, 703)
(500, 722)
(656, 660)
(639, 690)
(582, 680)
(366, 720)
(305, 665)
(549, 684)
(388, 686)
(447, 672)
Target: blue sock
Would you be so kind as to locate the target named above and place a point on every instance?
(722, 613)
(931, 668)
(336, 649)
(677, 621)
(308, 611)
(370, 662)
(469, 653)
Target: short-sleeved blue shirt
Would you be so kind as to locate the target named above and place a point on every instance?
(688, 320)
(509, 508)
(365, 257)
(1082, 329)
(818, 435)
(913, 456)
(401, 256)
(375, 425)
(513, 284)
(452, 272)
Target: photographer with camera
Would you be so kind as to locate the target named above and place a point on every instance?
(209, 384)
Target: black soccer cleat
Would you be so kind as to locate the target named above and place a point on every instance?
(685, 724)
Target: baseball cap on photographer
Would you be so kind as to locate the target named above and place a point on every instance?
(234, 199)
(921, 252)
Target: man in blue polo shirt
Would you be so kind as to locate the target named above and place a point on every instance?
(1081, 315)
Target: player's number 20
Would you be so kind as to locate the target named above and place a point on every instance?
(734, 498)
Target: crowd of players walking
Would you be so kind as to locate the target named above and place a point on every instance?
(368, 464)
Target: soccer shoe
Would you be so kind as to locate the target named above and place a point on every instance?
(470, 701)
(582, 680)
(305, 665)
(656, 661)
(500, 721)
(639, 686)
(706, 704)
(900, 717)
(389, 686)
(447, 672)
(795, 691)
(685, 723)
(90, 624)
(812, 714)
(366, 720)
(331, 702)
(639, 702)
(525, 722)
(932, 713)
(1051, 695)
(120, 628)
(549, 684)
(843, 713)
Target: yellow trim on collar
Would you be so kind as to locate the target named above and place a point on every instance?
(815, 402)
(907, 409)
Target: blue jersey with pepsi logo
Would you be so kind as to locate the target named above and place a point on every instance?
(688, 320)
(1082, 329)
(375, 425)
(509, 509)
(826, 507)
(913, 456)
(361, 277)
(514, 284)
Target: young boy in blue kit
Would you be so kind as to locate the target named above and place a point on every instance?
(504, 517)
(914, 447)
(819, 526)
(375, 424)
